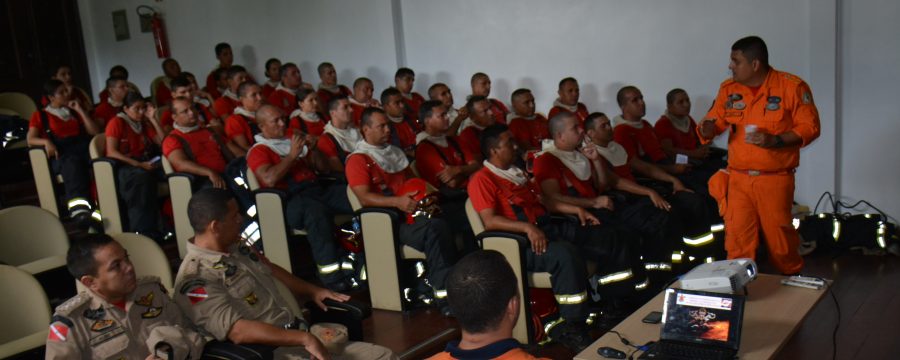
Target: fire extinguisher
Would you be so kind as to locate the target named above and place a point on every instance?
(159, 31)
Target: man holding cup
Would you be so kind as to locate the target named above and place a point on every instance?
(771, 115)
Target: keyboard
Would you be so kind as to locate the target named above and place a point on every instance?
(669, 350)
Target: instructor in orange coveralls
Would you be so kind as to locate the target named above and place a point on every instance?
(770, 115)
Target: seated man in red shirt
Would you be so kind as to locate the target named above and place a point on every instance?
(362, 98)
(241, 127)
(480, 117)
(133, 138)
(440, 92)
(122, 72)
(694, 211)
(569, 92)
(340, 137)
(289, 164)
(116, 89)
(224, 105)
(404, 79)
(226, 59)
(677, 134)
(306, 118)
(403, 127)
(576, 177)
(183, 88)
(64, 73)
(273, 76)
(528, 128)
(443, 164)
(162, 92)
(506, 200)
(65, 131)
(636, 134)
(484, 297)
(193, 149)
(285, 95)
(328, 86)
(376, 172)
(481, 86)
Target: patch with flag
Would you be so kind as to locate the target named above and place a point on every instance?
(195, 291)
(59, 329)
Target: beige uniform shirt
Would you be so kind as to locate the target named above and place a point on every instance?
(88, 327)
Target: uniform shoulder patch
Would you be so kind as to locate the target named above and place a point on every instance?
(59, 328)
(792, 78)
(194, 289)
(70, 306)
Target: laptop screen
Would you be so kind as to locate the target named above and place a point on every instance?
(701, 317)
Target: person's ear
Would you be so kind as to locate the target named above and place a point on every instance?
(512, 309)
(756, 65)
(89, 282)
(213, 227)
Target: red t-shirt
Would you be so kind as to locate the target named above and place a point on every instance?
(261, 155)
(283, 100)
(499, 110)
(624, 170)
(403, 134)
(203, 146)
(429, 161)
(665, 130)
(236, 125)
(267, 89)
(412, 105)
(581, 113)
(489, 191)
(639, 142)
(362, 170)
(530, 132)
(60, 129)
(357, 113)
(224, 106)
(470, 141)
(203, 116)
(131, 144)
(329, 148)
(105, 111)
(163, 94)
(549, 167)
(311, 128)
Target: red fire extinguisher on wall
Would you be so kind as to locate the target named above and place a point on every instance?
(159, 31)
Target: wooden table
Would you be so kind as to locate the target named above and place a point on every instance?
(772, 314)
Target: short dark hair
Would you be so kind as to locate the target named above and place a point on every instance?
(564, 81)
(220, 47)
(234, 70)
(490, 138)
(477, 76)
(50, 87)
(479, 289)
(753, 48)
(333, 103)
(217, 73)
(670, 96)
(284, 69)
(404, 72)
(167, 61)
(244, 87)
(591, 119)
(118, 68)
(427, 109)
(181, 80)
(323, 66)
(470, 104)
(517, 93)
(303, 92)
(556, 122)
(434, 88)
(387, 93)
(620, 95)
(80, 257)
(208, 205)
(360, 80)
(112, 80)
(270, 61)
(132, 97)
(366, 118)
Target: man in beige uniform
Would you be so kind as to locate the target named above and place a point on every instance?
(119, 316)
(229, 289)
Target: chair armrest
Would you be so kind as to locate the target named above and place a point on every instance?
(393, 213)
(281, 193)
(190, 177)
(103, 159)
(519, 237)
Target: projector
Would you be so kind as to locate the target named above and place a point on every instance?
(726, 276)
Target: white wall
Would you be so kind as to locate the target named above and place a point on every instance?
(655, 45)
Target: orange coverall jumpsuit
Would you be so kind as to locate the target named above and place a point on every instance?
(760, 181)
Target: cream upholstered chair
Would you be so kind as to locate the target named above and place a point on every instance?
(380, 243)
(146, 256)
(105, 178)
(32, 239)
(19, 103)
(44, 180)
(25, 311)
(181, 190)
